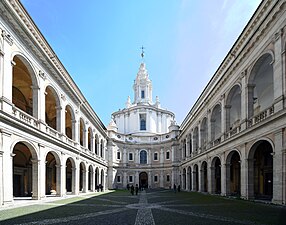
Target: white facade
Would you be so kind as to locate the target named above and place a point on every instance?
(156, 120)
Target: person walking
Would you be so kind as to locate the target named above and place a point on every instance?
(132, 189)
(175, 188)
(136, 189)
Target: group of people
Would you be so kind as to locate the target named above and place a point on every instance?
(99, 187)
(132, 189)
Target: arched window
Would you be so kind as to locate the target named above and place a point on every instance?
(142, 121)
(143, 157)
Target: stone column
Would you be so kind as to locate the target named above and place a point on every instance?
(60, 126)
(243, 172)
(278, 168)
(136, 178)
(1, 176)
(124, 179)
(194, 181)
(85, 180)
(7, 165)
(150, 181)
(187, 180)
(278, 75)
(161, 155)
(36, 183)
(244, 100)
(75, 179)
(60, 179)
(222, 117)
(211, 179)
(85, 137)
(161, 179)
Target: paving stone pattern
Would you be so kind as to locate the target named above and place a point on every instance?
(148, 208)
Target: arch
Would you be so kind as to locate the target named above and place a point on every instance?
(69, 122)
(260, 170)
(101, 148)
(82, 177)
(261, 85)
(89, 138)
(184, 179)
(96, 143)
(195, 178)
(96, 178)
(102, 179)
(233, 108)
(70, 175)
(216, 175)
(204, 133)
(216, 123)
(25, 170)
(204, 176)
(196, 139)
(189, 174)
(52, 108)
(90, 178)
(143, 157)
(24, 86)
(233, 173)
(52, 173)
(81, 132)
(143, 180)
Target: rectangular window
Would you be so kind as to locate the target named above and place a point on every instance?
(142, 118)
(167, 155)
(155, 178)
(155, 156)
(118, 179)
(142, 94)
(168, 178)
(130, 156)
(118, 155)
(130, 179)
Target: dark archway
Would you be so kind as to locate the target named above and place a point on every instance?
(204, 177)
(233, 174)
(143, 180)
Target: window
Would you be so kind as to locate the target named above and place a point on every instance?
(118, 155)
(143, 157)
(155, 156)
(155, 178)
(142, 121)
(118, 179)
(142, 94)
(168, 178)
(167, 155)
(130, 179)
(130, 156)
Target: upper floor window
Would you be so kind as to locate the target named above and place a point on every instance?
(155, 156)
(167, 155)
(143, 157)
(118, 155)
(142, 94)
(130, 156)
(118, 179)
(142, 121)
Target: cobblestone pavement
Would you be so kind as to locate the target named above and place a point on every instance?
(148, 208)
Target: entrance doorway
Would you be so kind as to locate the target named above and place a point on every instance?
(143, 180)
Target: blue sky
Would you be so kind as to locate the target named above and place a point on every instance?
(99, 41)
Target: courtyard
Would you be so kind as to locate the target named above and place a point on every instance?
(149, 207)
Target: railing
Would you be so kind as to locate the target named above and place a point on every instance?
(261, 116)
(233, 131)
(25, 117)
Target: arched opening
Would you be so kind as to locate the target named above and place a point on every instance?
(184, 179)
(184, 148)
(51, 174)
(81, 132)
(96, 144)
(52, 108)
(216, 175)
(69, 122)
(96, 178)
(89, 136)
(196, 178)
(261, 170)
(216, 123)
(143, 180)
(233, 108)
(70, 175)
(196, 139)
(204, 132)
(204, 177)
(82, 177)
(190, 177)
(22, 171)
(23, 82)
(233, 176)
(102, 178)
(90, 178)
(261, 88)
(101, 147)
(143, 157)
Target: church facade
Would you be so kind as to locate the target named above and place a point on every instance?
(232, 141)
